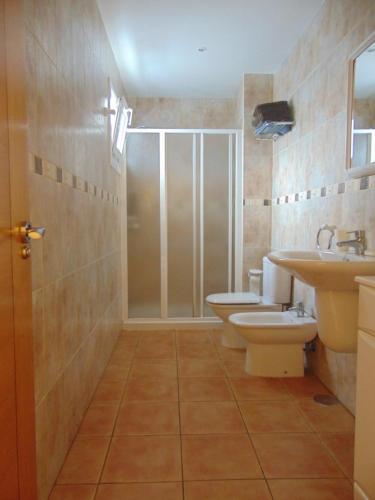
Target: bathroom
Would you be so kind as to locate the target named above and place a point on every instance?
(116, 380)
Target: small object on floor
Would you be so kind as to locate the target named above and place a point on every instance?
(326, 399)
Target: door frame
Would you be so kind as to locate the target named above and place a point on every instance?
(13, 37)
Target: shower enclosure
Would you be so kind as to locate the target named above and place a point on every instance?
(184, 221)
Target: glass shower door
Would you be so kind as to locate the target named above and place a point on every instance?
(180, 180)
(181, 188)
(143, 215)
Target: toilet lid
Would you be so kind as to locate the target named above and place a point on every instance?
(233, 298)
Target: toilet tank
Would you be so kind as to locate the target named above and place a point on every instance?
(277, 283)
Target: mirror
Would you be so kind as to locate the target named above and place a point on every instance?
(361, 129)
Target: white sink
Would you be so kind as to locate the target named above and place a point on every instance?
(332, 275)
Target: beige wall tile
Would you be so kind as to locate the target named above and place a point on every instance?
(184, 113)
(314, 78)
(76, 267)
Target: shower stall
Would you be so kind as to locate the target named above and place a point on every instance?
(183, 239)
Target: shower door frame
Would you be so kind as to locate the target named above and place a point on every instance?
(234, 223)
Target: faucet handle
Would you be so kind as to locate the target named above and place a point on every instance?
(358, 233)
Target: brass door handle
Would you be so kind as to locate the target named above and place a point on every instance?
(30, 232)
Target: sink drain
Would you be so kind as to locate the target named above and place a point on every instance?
(325, 399)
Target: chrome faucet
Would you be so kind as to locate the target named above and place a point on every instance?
(358, 242)
(329, 228)
(299, 308)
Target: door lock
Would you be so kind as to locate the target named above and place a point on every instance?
(25, 252)
(28, 232)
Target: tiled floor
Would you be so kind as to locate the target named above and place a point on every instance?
(176, 417)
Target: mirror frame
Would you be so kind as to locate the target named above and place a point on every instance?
(368, 169)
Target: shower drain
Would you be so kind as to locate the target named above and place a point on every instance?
(325, 399)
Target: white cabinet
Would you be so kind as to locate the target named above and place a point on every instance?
(364, 459)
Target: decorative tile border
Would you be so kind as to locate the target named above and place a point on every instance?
(256, 202)
(64, 176)
(352, 185)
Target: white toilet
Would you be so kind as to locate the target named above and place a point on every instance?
(276, 292)
(274, 341)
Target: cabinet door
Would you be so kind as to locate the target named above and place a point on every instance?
(364, 464)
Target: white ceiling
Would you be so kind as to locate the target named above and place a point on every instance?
(155, 42)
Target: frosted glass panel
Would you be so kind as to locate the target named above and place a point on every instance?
(143, 203)
(179, 168)
(216, 161)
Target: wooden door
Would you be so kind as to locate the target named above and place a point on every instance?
(17, 430)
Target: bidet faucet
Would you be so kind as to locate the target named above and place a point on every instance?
(358, 242)
(299, 308)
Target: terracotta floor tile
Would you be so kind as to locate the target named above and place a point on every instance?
(142, 491)
(84, 461)
(124, 349)
(333, 418)
(163, 350)
(143, 459)
(311, 489)
(305, 387)
(121, 357)
(211, 418)
(73, 492)
(342, 446)
(193, 337)
(228, 354)
(148, 418)
(115, 373)
(157, 336)
(151, 367)
(219, 457)
(204, 389)
(216, 336)
(193, 367)
(157, 339)
(151, 389)
(235, 368)
(99, 420)
(108, 392)
(197, 350)
(127, 340)
(257, 388)
(273, 416)
(294, 455)
(254, 489)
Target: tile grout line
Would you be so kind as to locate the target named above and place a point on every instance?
(333, 456)
(55, 483)
(227, 377)
(117, 414)
(179, 414)
(243, 421)
(312, 431)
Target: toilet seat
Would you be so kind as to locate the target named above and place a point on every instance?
(226, 304)
(236, 298)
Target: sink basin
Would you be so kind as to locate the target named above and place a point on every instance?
(325, 270)
(336, 293)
